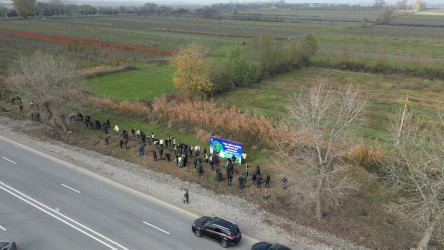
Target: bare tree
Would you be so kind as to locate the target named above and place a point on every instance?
(416, 170)
(402, 4)
(323, 120)
(47, 82)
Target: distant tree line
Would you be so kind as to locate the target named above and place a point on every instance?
(26, 8)
(29, 8)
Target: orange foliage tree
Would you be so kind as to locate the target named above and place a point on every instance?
(192, 69)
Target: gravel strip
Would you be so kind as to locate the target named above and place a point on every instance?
(247, 215)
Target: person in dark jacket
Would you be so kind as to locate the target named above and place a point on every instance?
(258, 180)
(201, 170)
(105, 128)
(155, 154)
(267, 181)
(161, 153)
(186, 195)
(258, 170)
(218, 174)
(229, 178)
(253, 178)
(241, 182)
(121, 143)
(168, 156)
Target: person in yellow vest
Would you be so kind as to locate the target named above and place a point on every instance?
(116, 129)
(179, 161)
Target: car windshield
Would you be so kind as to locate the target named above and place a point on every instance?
(207, 222)
(3, 244)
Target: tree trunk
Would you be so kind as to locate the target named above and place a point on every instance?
(318, 192)
(48, 111)
(63, 122)
(428, 233)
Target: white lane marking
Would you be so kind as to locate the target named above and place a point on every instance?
(71, 188)
(60, 219)
(9, 160)
(4, 229)
(160, 229)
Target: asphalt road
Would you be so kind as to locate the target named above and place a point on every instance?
(48, 204)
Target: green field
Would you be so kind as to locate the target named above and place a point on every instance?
(218, 35)
(149, 81)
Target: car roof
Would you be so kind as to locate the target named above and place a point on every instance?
(224, 223)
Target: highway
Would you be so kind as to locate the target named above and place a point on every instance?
(48, 204)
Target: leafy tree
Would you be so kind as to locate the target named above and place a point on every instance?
(263, 50)
(308, 47)
(419, 6)
(25, 8)
(48, 82)
(192, 69)
(240, 71)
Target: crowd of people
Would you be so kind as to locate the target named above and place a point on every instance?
(163, 148)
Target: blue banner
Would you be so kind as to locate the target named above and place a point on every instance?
(225, 148)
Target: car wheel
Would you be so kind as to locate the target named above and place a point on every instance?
(224, 243)
(198, 233)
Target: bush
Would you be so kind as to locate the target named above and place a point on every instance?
(364, 24)
(367, 157)
(364, 212)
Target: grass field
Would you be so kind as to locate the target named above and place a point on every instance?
(218, 35)
(385, 95)
(147, 82)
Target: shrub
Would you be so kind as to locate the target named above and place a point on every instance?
(364, 212)
(364, 24)
(367, 157)
(206, 114)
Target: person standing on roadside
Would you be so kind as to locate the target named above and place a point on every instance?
(253, 177)
(218, 174)
(258, 181)
(186, 195)
(201, 172)
(179, 161)
(267, 181)
(116, 129)
(105, 128)
(229, 178)
(241, 182)
(155, 154)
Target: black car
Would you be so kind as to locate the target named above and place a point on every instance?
(223, 231)
(268, 246)
(8, 245)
